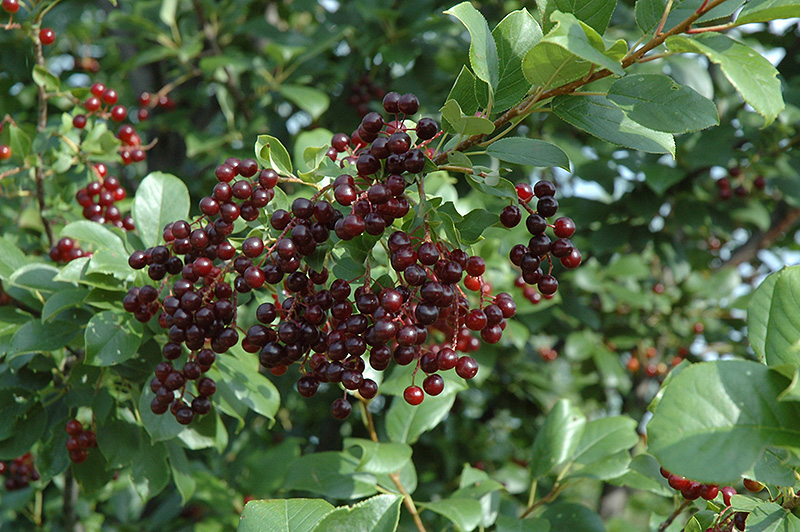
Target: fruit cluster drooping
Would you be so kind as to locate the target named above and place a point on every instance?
(98, 200)
(148, 102)
(362, 93)
(102, 103)
(19, 473)
(80, 441)
(66, 250)
(421, 317)
(540, 247)
(735, 184)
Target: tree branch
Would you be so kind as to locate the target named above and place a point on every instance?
(526, 105)
(762, 240)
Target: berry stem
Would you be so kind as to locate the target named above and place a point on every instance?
(668, 521)
(407, 500)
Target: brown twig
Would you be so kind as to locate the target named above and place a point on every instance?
(526, 105)
(762, 240)
(407, 500)
(668, 521)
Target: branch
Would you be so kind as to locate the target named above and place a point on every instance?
(668, 521)
(525, 107)
(762, 240)
(407, 500)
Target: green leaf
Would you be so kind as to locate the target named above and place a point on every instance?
(37, 276)
(463, 93)
(771, 517)
(405, 423)
(283, 515)
(605, 437)
(11, 258)
(772, 320)
(514, 36)
(658, 102)
(119, 441)
(63, 300)
(161, 199)
(380, 513)
(567, 53)
(272, 154)
(767, 10)
(27, 429)
(648, 13)
(98, 235)
(465, 513)
(758, 315)
(752, 75)
(36, 336)
(721, 412)
(160, 427)
(311, 100)
(314, 143)
(595, 14)
(573, 517)
(530, 152)
(558, 438)
(377, 457)
(93, 474)
(240, 381)
(659, 178)
(473, 225)
(20, 142)
(45, 78)
(181, 471)
(507, 523)
(150, 472)
(482, 49)
(332, 474)
(602, 118)
(167, 12)
(111, 338)
(503, 188)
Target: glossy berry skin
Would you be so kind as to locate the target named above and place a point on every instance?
(340, 409)
(564, 227)
(413, 395)
(510, 216)
(5, 152)
(524, 192)
(79, 121)
(467, 367)
(11, 6)
(433, 384)
(752, 485)
(47, 36)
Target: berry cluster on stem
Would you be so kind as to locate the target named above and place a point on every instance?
(331, 328)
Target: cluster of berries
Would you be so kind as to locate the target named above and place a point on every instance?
(692, 490)
(325, 325)
(19, 473)
(66, 250)
(530, 257)
(147, 102)
(103, 103)
(734, 184)
(98, 200)
(362, 93)
(80, 441)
